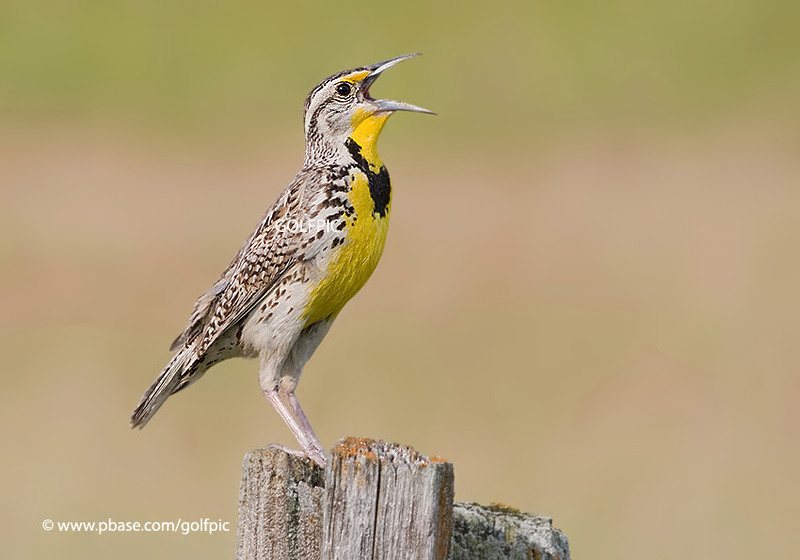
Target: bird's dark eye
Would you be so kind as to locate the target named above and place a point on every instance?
(344, 89)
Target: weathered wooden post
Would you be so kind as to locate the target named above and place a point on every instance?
(281, 500)
(386, 501)
(376, 500)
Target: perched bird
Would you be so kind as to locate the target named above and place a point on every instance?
(315, 248)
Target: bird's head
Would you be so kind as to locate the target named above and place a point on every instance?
(340, 107)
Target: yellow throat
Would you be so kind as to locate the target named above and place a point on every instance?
(366, 129)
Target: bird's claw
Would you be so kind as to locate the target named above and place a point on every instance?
(314, 453)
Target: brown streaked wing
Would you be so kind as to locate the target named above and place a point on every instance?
(258, 266)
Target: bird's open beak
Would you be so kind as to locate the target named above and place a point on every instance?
(389, 105)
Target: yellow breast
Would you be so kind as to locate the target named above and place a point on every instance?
(351, 263)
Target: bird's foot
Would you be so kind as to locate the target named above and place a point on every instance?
(314, 453)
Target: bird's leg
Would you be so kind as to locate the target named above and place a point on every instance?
(307, 437)
(285, 403)
(285, 413)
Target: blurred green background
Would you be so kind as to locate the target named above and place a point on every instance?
(588, 301)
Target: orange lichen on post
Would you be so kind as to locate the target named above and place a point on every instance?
(352, 447)
(502, 508)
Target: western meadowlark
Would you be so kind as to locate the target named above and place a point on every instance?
(315, 248)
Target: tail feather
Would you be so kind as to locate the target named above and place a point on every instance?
(166, 384)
